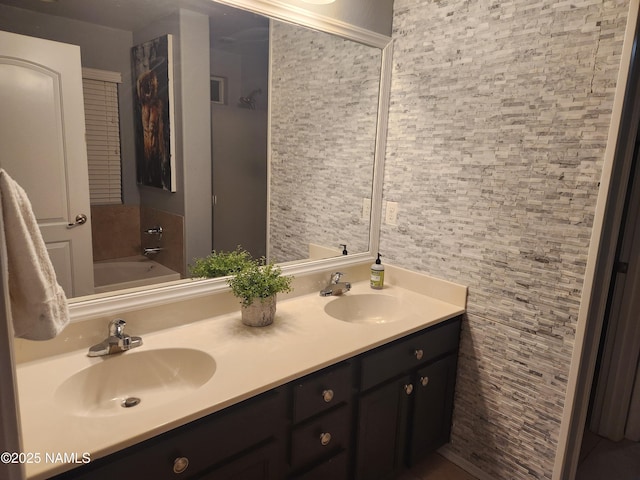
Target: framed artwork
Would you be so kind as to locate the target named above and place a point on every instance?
(218, 85)
(152, 73)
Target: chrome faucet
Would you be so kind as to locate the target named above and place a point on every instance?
(149, 251)
(116, 342)
(335, 287)
(157, 230)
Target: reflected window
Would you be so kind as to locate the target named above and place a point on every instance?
(102, 119)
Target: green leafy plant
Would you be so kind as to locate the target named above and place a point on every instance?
(221, 264)
(258, 281)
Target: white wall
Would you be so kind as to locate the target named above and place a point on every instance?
(190, 32)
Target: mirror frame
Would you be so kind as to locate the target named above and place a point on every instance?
(112, 304)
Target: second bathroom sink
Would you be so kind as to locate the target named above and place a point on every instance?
(370, 308)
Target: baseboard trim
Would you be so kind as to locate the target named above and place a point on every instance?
(464, 464)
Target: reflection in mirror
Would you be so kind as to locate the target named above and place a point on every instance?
(324, 102)
(298, 197)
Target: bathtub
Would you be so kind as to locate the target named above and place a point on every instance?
(130, 272)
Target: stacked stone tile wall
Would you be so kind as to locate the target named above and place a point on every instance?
(324, 103)
(498, 126)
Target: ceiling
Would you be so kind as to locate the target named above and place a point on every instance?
(231, 24)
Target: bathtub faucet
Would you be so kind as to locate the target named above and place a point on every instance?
(116, 342)
(157, 230)
(151, 251)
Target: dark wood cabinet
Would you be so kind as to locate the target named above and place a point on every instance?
(430, 425)
(195, 448)
(363, 418)
(260, 463)
(322, 413)
(404, 419)
(382, 416)
(335, 468)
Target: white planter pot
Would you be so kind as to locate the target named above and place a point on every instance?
(260, 313)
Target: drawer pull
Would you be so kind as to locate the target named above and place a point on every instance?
(424, 381)
(180, 464)
(418, 353)
(327, 395)
(408, 389)
(325, 438)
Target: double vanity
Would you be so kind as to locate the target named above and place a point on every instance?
(349, 387)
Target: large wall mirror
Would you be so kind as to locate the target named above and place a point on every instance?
(275, 130)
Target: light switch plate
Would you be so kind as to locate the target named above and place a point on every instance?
(366, 209)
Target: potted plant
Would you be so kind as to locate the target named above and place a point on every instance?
(256, 286)
(220, 264)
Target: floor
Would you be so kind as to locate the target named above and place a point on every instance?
(436, 467)
(602, 459)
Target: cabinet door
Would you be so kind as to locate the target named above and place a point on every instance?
(381, 431)
(433, 405)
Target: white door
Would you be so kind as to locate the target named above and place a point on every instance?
(42, 139)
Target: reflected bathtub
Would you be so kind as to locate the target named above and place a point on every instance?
(129, 272)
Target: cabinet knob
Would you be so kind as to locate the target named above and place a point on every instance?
(424, 381)
(408, 389)
(327, 395)
(325, 438)
(418, 353)
(180, 464)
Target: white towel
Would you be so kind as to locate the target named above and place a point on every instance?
(38, 304)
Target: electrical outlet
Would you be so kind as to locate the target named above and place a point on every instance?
(391, 213)
(366, 209)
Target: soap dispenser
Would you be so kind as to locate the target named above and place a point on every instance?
(377, 274)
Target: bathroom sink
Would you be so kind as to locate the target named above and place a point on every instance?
(364, 308)
(135, 380)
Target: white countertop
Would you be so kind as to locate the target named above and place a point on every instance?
(249, 361)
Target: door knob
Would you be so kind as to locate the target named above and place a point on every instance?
(81, 219)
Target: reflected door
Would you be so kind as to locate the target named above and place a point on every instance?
(239, 169)
(42, 133)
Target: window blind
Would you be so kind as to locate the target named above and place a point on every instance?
(102, 120)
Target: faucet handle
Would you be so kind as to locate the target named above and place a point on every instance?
(116, 328)
(157, 230)
(336, 276)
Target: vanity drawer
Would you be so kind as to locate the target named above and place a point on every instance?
(319, 438)
(335, 468)
(204, 443)
(318, 392)
(401, 355)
